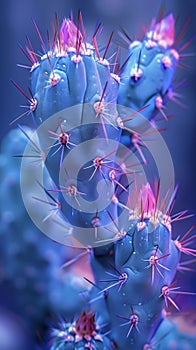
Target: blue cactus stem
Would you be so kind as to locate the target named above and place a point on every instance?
(87, 120)
(142, 262)
(76, 96)
(146, 78)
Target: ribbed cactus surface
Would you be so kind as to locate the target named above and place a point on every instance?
(89, 121)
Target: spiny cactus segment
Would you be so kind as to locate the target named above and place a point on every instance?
(85, 116)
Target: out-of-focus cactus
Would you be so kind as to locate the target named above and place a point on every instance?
(132, 254)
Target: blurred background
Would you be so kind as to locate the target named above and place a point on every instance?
(135, 16)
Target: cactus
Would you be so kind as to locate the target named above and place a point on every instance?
(80, 193)
(146, 79)
(148, 74)
(70, 75)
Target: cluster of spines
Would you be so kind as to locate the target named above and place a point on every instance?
(83, 333)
